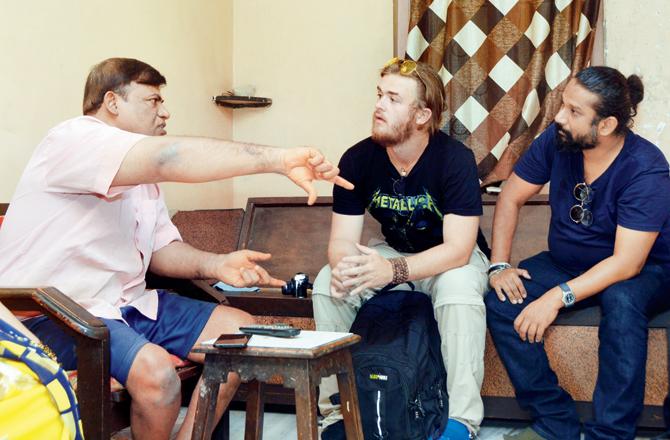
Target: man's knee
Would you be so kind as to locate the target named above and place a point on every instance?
(498, 311)
(321, 285)
(229, 319)
(620, 302)
(152, 378)
(464, 285)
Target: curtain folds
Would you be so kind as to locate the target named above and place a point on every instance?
(504, 64)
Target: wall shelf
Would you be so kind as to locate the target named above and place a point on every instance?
(233, 101)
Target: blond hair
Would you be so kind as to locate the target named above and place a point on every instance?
(430, 90)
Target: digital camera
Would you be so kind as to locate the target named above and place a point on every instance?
(297, 286)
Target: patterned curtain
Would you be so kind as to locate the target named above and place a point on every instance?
(504, 64)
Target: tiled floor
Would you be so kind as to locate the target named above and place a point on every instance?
(282, 427)
(279, 426)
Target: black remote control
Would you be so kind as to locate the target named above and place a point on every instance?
(280, 330)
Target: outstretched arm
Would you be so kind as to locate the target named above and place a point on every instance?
(239, 268)
(195, 159)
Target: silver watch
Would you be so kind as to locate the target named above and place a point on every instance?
(568, 295)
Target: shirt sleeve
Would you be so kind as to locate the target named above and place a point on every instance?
(166, 231)
(84, 155)
(534, 166)
(349, 202)
(643, 203)
(462, 194)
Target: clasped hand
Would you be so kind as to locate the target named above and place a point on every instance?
(356, 273)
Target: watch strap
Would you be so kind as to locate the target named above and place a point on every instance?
(568, 295)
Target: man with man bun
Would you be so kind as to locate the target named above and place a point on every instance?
(609, 244)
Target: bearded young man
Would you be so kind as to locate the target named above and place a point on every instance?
(609, 244)
(422, 187)
(89, 218)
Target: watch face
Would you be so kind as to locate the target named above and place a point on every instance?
(568, 298)
(568, 295)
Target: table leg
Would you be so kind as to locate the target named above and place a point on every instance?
(255, 411)
(346, 382)
(222, 429)
(203, 424)
(305, 407)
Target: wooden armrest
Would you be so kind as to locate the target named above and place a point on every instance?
(58, 306)
(196, 289)
(92, 339)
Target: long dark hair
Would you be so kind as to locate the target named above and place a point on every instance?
(618, 96)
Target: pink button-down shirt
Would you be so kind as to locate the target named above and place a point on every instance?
(67, 227)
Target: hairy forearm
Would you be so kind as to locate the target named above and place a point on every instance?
(437, 260)
(505, 219)
(609, 271)
(180, 260)
(197, 159)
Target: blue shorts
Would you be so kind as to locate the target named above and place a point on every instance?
(179, 323)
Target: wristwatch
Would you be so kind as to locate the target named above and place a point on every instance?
(568, 295)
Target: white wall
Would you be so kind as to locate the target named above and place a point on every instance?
(636, 41)
(48, 48)
(319, 62)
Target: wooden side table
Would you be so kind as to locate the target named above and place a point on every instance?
(300, 368)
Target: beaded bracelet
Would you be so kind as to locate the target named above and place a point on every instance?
(400, 270)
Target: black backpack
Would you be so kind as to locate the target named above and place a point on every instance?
(399, 370)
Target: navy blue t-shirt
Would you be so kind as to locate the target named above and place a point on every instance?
(410, 209)
(633, 192)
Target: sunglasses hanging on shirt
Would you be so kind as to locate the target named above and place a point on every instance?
(581, 213)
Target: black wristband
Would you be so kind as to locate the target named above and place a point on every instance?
(497, 267)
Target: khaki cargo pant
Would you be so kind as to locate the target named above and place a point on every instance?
(457, 297)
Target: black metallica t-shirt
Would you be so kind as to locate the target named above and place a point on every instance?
(410, 209)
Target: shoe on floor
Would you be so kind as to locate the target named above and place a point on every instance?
(455, 430)
(334, 431)
(524, 434)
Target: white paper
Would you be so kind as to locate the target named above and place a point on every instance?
(306, 339)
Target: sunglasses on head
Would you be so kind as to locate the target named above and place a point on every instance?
(407, 67)
(580, 213)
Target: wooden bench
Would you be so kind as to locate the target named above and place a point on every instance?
(297, 236)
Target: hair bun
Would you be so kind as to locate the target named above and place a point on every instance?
(635, 91)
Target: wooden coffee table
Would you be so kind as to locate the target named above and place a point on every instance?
(300, 369)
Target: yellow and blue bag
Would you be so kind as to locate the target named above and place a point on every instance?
(36, 399)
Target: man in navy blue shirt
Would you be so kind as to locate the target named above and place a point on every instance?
(609, 241)
(422, 187)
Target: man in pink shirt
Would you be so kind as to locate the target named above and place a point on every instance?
(88, 218)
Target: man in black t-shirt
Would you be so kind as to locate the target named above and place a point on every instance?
(422, 187)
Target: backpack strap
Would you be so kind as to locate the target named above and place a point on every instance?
(390, 286)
